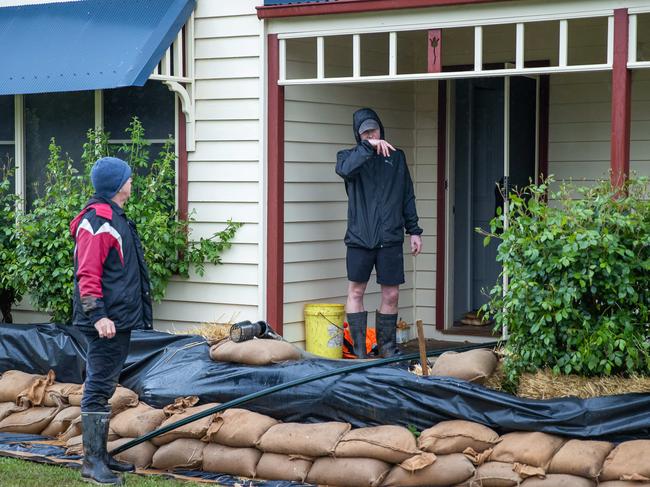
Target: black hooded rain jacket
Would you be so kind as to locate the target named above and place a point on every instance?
(381, 201)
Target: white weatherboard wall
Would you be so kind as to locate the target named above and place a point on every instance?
(580, 127)
(226, 170)
(640, 128)
(425, 178)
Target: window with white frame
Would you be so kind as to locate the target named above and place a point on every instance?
(7, 133)
(153, 104)
(67, 118)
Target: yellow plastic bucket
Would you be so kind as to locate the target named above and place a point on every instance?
(324, 329)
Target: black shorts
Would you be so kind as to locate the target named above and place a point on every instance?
(389, 262)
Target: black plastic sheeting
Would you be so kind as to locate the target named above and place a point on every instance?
(22, 443)
(161, 367)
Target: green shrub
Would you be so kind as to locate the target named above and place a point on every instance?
(578, 296)
(45, 247)
(10, 290)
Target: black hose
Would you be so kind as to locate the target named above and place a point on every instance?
(366, 364)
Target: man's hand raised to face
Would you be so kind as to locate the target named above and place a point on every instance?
(382, 147)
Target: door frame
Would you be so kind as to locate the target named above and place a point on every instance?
(446, 119)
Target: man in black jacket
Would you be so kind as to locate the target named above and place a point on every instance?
(111, 297)
(381, 205)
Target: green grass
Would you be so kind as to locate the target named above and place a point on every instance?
(21, 473)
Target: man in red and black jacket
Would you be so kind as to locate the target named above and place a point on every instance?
(111, 298)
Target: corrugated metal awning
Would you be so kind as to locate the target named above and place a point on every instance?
(85, 44)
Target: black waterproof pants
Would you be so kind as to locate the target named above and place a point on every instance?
(105, 359)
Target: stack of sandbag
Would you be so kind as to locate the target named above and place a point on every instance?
(301, 447)
(254, 352)
(130, 419)
(627, 465)
(446, 441)
(514, 458)
(132, 423)
(248, 444)
(121, 400)
(182, 447)
(403, 463)
(232, 439)
(533, 459)
(21, 402)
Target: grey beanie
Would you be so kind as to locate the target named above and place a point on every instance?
(108, 175)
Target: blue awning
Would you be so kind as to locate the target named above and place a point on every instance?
(85, 44)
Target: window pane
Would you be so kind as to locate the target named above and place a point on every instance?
(154, 151)
(6, 163)
(153, 104)
(64, 116)
(6, 118)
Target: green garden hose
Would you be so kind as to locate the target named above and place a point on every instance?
(366, 364)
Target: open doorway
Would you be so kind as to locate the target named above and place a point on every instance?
(482, 129)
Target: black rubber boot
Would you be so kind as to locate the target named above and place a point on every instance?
(386, 327)
(95, 433)
(358, 323)
(115, 464)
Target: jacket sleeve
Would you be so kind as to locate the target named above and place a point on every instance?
(145, 282)
(350, 161)
(409, 211)
(94, 239)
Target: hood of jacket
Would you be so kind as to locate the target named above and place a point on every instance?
(360, 116)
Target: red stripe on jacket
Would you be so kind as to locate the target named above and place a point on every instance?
(92, 249)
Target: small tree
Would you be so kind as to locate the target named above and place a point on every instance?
(10, 289)
(45, 246)
(578, 299)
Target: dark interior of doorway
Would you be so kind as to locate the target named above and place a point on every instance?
(478, 174)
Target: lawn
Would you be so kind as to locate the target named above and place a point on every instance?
(21, 473)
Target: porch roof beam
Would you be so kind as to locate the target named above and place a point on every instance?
(450, 75)
(437, 23)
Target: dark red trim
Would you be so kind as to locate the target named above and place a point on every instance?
(542, 145)
(434, 51)
(441, 211)
(621, 87)
(275, 202)
(355, 6)
(182, 166)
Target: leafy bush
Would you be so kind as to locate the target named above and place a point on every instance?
(45, 247)
(9, 289)
(578, 297)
